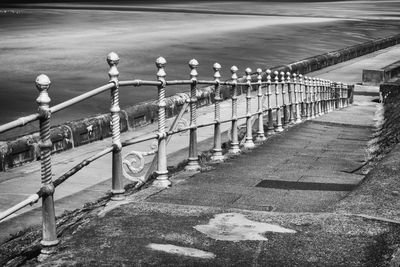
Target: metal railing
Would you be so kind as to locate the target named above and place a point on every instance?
(296, 98)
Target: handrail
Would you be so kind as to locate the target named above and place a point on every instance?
(297, 98)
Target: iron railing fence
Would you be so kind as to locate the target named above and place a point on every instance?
(284, 98)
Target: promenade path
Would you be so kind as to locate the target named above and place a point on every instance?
(291, 181)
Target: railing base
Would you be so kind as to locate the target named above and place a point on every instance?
(162, 180)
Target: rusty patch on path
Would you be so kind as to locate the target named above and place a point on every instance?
(236, 227)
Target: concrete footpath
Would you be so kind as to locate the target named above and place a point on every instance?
(269, 206)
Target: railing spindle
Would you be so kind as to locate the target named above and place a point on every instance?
(285, 109)
(217, 150)
(308, 101)
(162, 171)
(248, 144)
(234, 149)
(193, 160)
(290, 98)
(260, 133)
(279, 127)
(117, 183)
(320, 97)
(312, 96)
(49, 236)
(297, 98)
(268, 93)
(302, 97)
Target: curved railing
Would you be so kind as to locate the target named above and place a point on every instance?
(284, 98)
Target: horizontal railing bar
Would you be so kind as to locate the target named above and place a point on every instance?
(81, 97)
(179, 82)
(29, 201)
(139, 139)
(19, 122)
(138, 82)
(82, 164)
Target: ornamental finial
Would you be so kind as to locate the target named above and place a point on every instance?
(282, 76)
(113, 60)
(248, 74)
(193, 64)
(160, 64)
(276, 73)
(43, 84)
(288, 77)
(294, 77)
(234, 69)
(259, 76)
(217, 68)
(268, 75)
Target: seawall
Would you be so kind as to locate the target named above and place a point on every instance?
(80, 132)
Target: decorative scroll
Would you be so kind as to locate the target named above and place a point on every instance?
(134, 162)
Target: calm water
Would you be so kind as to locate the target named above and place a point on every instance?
(70, 45)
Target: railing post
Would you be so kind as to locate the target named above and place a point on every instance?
(290, 98)
(323, 96)
(260, 133)
(268, 94)
(193, 160)
(278, 108)
(217, 150)
(337, 95)
(234, 149)
(49, 236)
(162, 171)
(308, 98)
(297, 98)
(248, 144)
(117, 183)
(312, 96)
(303, 96)
(330, 95)
(285, 106)
(316, 97)
(347, 95)
(320, 97)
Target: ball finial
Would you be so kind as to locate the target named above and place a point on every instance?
(259, 71)
(161, 62)
(234, 69)
(247, 71)
(193, 63)
(42, 82)
(216, 66)
(112, 59)
(269, 72)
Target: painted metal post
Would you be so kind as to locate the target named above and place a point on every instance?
(297, 98)
(217, 150)
(347, 95)
(330, 90)
(337, 95)
(320, 97)
(268, 93)
(260, 132)
(312, 96)
(323, 102)
(248, 144)
(49, 236)
(290, 98)
(302, 97)
(284, 105)
(278, 108)
(234, 149)
(162, 171)
(308, 101)
(117, 189)
(193, 160)
(316, 97)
